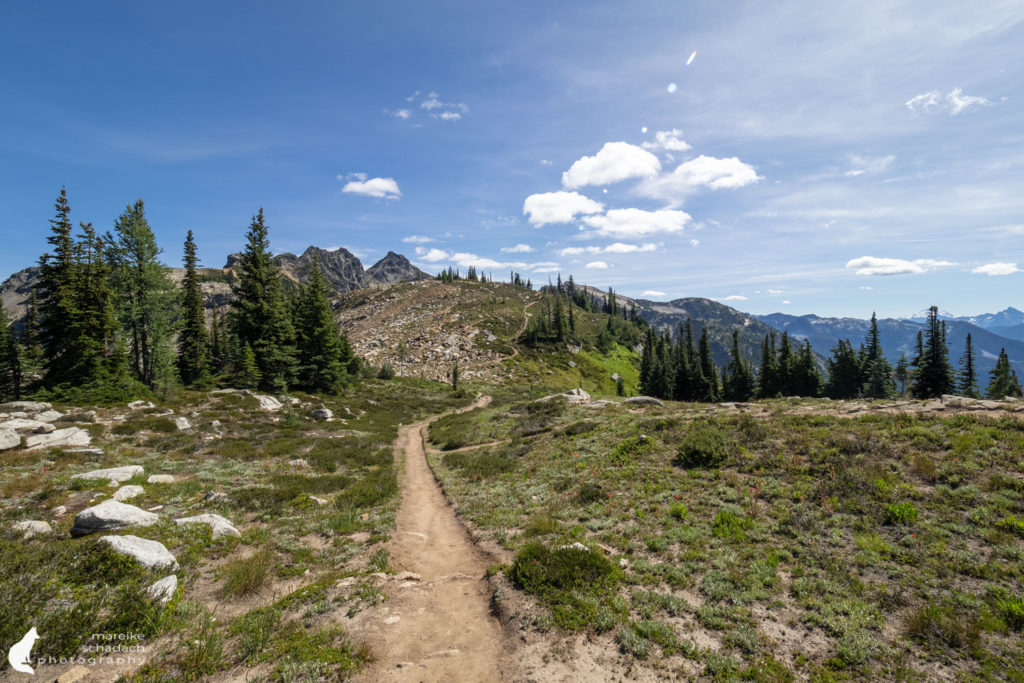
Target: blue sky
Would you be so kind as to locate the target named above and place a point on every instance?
(834, 158)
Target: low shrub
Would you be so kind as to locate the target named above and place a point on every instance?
(943, 626)
(900, 513)
(703, 447)
(247, 575)
(1012, 612)
(479, 465)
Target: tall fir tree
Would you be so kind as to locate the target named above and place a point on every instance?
(843, 372)
(683, 385)
(967, 381)
(768, 384)
(258, 314)
(55, 295)
(1004, 380)
(805, 377)
(193, 343)
(740, 384)
(10, 361)
(647, 359)
(322, 362)
(145, 297)
(94, 325)
(785, 365)
(710, 390)
(876, 372)
(934, 375)
(902, 373)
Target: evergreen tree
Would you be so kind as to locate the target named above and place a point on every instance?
(620, 386)
(902, 373)
(559, 327)
(1004, 380)
(31, 348)
(55, 294)
(683, 386)
(193, 346)
(647, 358)
(843, 372)
(968, 384)
(785, 366)
(94, 326)
(220, 339)
(740, 384)
(144, 295)
(876, 372)
(768, 385)
(247, 372)
(259, 318)
(806, 378)
(10, 361)
(934, 375)
(710, 389)
(455, 375)
(322, 365)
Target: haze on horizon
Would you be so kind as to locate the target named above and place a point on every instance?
(834, 159)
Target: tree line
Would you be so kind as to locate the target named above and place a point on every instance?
(105, 321)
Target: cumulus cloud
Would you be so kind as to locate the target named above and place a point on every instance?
(417, 239)
(694, 242)
(786, 302)
(596, 265)
(403, 114)
(997, 269)
(652, 292)
(668, 140)
(558, 207)
(864, 165)
(546, 162)
(518, 249)
(613, 248)
(467, 259)
(954, 102)
(775, 291)
(873, 265)
(381, 188)
(702, 172)
(431, 255)
(448, 116)
(734, 297)
(614, 162)
(637, 222)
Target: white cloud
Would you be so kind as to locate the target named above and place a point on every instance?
(873, 265)
(613, 248)
(431, 255)
(997, 269)
(865, 287)
(786, 302)
(652, 292)
(952, 103)
(596, 265)
(448, 116)
(614, 162)
(637, 222)
(775, 291)
(668, 140)
(544, 267)
(467, 259)
(417, 239)
(694, 242)
(403, 114)
(546, 162)
(863, 165)
(716, 174)
(558, 207)
(381, 188)
(518, 249)
(734, 297)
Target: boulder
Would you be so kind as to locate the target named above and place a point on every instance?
(25, 407)
(9, 439)
(110, 514)
(59, 511)
(216, 497)
(31, 527)
(150, 554)
(160, 479)
(80, 416)
(24, 425)
(267, 402)
(164, 589)
(643, 401)
(75, 675)
(323, 414)
(220, 526)
(71, 436)
(49, 416)
(128, 492)
(117, 474)
(141, 405)
(299, 462)
(182, 423)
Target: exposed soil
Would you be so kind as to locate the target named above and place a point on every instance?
(440, 627)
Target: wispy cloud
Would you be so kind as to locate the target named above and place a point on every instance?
(997, 269)
(432, 105)
(732, 297)
(380, 188)
(652, 292)
(417, 239)
(954, 102)
(861, 165)
(613, 248)
(873, 265)
(517, 249)
(668, 141)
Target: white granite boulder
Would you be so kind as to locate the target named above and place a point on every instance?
(182, 423)
(220, 526)
(128, 492)
(25, 407)
(323, 414)
(25, 425)
(141, 405)
(116, 474)
(71, 436)
(49, 416)
(164, 589)
(160, 479)
(267, 402)
(31, 527)
(9, 439)
(150, 554)
(644, 401)
(108, 515)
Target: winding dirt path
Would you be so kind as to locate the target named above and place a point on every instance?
(438, 628)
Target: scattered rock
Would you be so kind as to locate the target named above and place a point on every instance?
(323, 414)
(128, 492)
(59, 511)
(267, 402)
(24, 425)
(599, 404)
(616, 377)
(110, 514)
(141, 405)
(572, 364)
(575, 546)
(25, 406)
(216, 425)
(82, 416)
(219, 525)
(393, 619)
(31, 527)
(156, 508)
(443, 654)
(90, 451)
(150, 554)
(49, 416)
(160, 479)
(74, 675)
(216, 497)
(574, 397)
(117, 474)
(163, 590)
(289, 400)
(407, 576)
(298, 462)
(182, 423)
(644, 401)
(71, 436)
(318, 500)
(9, 439)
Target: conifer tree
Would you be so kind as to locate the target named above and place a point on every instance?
(875, 369)
(193, 346)
(843, 372)
(259, 318)
(934, 375)
(968, 380)
(710, 389)
(806, 378)
(1004, 380)
(739, 385)
(322, 362)
(55, 294)
(647, 358)
(768, 385)
(455, 375)
(247, 372)
(683, 385)
(145, 296)
(784, 366)
(31, 348)
(10, 361)
(902, 373)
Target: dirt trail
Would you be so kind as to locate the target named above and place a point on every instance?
(439, 628)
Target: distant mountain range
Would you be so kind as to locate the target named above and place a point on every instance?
(1007, 323)
(899, 336)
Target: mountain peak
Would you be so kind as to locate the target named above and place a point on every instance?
(394, 268)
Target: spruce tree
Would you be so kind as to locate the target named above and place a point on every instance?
(247, 372)
(934, 375)
(10, 361)
(320, 352)
(843, 372)
(94, 324)
(145, 297)
(1004, 380)
(968, 380)
(455, 375)
(55, 295)
(31, 348)
(740, 384)
(768, 385)
(259, 318)
(785, 366)
(876, 372)
(683, 385)
(902, 373)
(806, 378)
(193, 346)
(710, 389)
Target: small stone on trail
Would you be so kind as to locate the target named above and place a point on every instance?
(220, 526)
